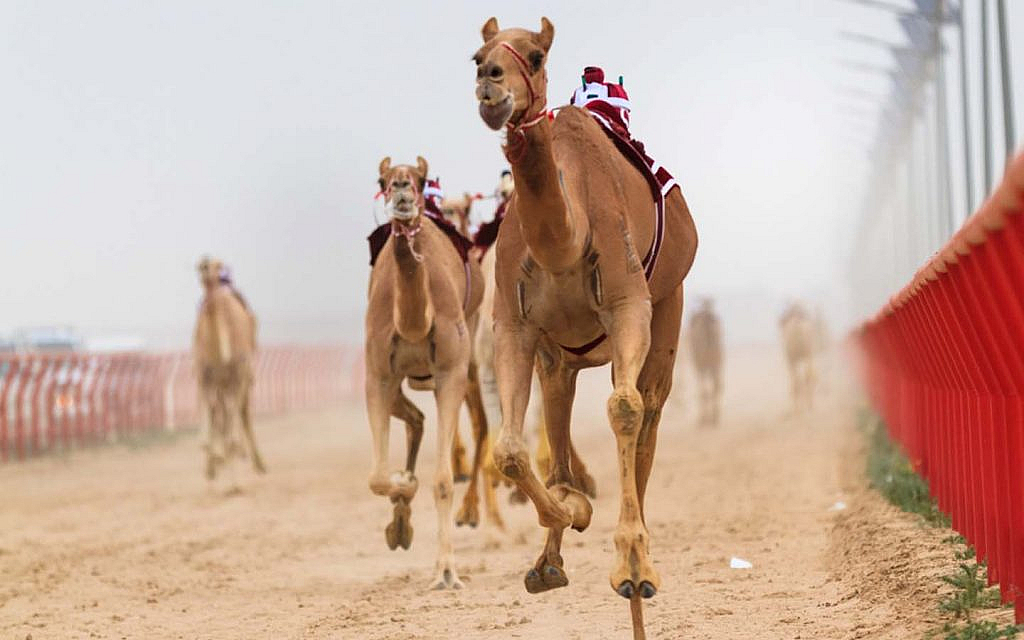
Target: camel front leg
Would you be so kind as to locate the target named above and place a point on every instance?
(401, 486)
(629, 329)
(558, 386)
(515, 346)
(449, 393)
(399, 531)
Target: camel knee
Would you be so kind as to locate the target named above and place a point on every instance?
(510, 458)
(628, 535)
(443, 488)
(380, 484)
(625, 410)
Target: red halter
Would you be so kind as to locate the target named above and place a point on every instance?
(518, 128)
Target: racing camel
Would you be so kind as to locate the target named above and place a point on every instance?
(706, 349)
(800, 343)
(223, 351)
(423, 297)
(580, 284)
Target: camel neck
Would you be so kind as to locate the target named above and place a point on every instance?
(413, 308)
(555, 234)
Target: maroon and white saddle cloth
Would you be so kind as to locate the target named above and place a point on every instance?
(487, 234)
(609, 105)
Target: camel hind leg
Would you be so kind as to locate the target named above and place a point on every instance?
(459, 466)
(246, 419)
(469, 513)
(409, 413)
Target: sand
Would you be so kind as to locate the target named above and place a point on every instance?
(131, 542)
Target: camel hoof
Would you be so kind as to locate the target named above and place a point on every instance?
(625, 589)
(549, 577)
(447, 580)
(647, 590)
(399, 532)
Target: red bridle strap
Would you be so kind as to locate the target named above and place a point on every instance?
(524, 71)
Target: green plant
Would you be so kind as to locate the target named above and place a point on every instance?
(970, 591)
(892, 475)
(987, 630)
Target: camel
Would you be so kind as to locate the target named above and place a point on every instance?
(420, 324)
(224, 350)
(457, 211)
(706, 349)
(573, 292)
(800, 343)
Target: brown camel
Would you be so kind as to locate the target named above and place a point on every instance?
(420, 321)
(800, 341)
(224, 350)
(457, 211)
(569, 273)
(706, 349)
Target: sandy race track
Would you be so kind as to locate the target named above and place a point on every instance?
(129, 542)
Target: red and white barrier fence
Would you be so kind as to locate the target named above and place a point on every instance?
(56, 401)
(943, 363)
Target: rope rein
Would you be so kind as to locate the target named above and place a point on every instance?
(515, 146)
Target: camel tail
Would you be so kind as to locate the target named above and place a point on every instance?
(636, 611)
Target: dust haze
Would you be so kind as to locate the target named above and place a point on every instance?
(139, 136)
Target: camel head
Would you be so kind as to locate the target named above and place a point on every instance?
(511, 83)
(456, 211)
(211, 272)
(402, 186)
(506, 185)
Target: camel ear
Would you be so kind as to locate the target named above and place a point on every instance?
(421, 166)
(490, 29)
(385, 166)
(547, 34)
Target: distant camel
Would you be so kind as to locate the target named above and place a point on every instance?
(224, 349)
(799, 342)
(706, 348)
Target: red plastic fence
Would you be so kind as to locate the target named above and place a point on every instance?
(57, 401)
(944, 365)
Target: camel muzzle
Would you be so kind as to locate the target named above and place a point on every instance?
(495, 116)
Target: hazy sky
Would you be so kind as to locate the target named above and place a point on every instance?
(138, 135)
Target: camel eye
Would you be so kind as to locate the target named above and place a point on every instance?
(536, 58)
